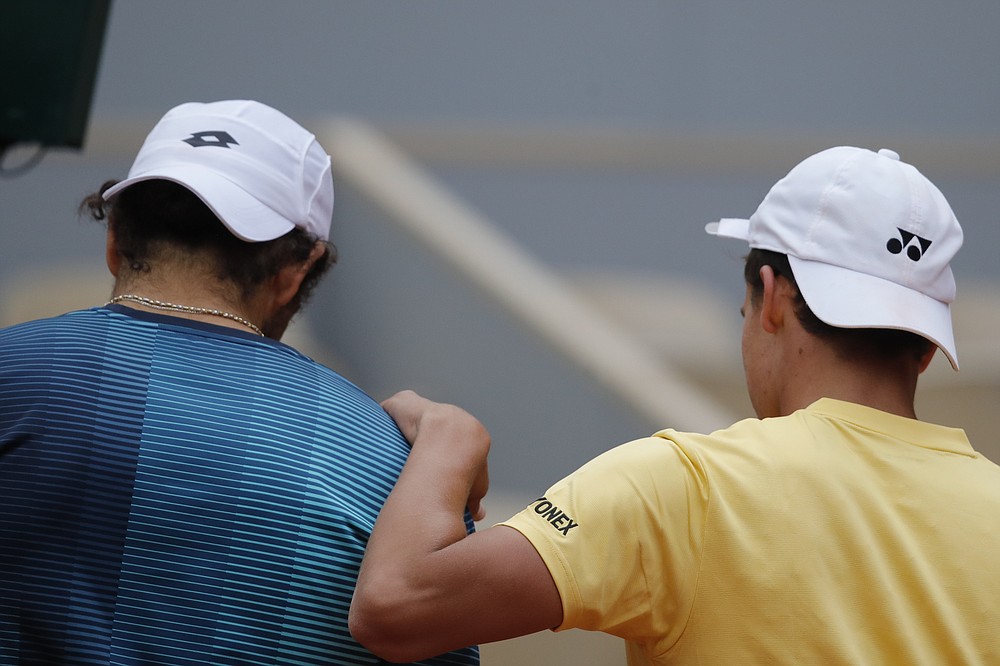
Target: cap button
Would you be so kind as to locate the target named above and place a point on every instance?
(891, 154)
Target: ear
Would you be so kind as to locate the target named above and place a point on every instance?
(772, 305)
(111, 255)
(925, 360)
(289, 279)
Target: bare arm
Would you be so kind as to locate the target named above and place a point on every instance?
(427, 587)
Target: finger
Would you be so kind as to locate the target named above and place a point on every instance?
(406, 408)
(400, 398)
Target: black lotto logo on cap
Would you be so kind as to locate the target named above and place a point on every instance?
(273, 178)
(216, 138)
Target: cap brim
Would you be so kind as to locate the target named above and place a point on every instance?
(243, 214)
(848, 299)
(730, 228)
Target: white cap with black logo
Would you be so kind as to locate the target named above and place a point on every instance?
(259, 171)
(869, 238)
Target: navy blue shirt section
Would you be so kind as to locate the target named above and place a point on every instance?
(182, 493)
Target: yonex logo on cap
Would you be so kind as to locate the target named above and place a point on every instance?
(212, 138)
(827, 215)
(914, 245)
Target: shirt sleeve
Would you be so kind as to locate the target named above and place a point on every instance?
(622, 538)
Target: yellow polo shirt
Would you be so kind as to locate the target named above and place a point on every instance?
(836, 535)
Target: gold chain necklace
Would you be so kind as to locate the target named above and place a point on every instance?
(163, 305)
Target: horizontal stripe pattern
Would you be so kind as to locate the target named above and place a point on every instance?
(177, 493)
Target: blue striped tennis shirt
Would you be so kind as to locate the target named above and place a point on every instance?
(175, 492)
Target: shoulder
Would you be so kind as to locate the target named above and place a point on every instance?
(40, 337)
(749, 438)
(691, 452)
(58, 321)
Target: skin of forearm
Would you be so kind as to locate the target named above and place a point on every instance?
(405, 573)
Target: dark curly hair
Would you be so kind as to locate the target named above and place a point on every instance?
(156, 216)
(850, 343)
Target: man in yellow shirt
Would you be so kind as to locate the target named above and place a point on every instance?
(835, 528)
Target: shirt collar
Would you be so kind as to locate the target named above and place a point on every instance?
(919, 433)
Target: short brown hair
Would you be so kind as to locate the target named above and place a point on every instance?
(850, 343)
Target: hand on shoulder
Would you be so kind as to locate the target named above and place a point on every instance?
(452, 441)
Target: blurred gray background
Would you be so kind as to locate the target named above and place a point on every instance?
(596, 137)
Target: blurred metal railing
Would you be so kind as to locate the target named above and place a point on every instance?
(522, 285)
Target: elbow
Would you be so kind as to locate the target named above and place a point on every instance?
(375, 621)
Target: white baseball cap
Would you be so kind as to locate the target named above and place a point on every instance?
(869, 239)
(259, 171)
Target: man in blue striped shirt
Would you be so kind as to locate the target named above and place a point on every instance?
(178, 486)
